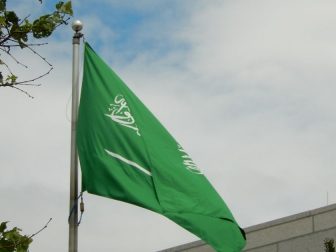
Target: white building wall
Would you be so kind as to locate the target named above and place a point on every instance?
(303, 232)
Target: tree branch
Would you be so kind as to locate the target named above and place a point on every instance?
(45, 226)
(8, 52)
(35, 79)
(21, 32)
(21, 90)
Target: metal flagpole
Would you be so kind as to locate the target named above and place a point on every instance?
(73, 211)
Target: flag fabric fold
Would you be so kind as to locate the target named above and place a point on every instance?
(126, 154)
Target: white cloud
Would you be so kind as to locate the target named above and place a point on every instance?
(256, 88)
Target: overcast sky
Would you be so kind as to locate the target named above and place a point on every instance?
(247, 87)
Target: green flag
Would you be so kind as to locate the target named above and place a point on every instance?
(126, 154)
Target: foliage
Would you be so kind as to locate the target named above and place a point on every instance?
(329, 245)
(12, 241)
(18, 32)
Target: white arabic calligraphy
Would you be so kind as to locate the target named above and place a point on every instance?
(120, 113)
(188, 162)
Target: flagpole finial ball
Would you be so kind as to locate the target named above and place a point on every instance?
(77, 26)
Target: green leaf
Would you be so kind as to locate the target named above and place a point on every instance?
(2, 21)
(43, 26)
(59, 5)
(3, 226)
(12, 240)
(6, 246)
(12, 78)
(23, 245)
(67, 8)
(11, 17)
(2, 5)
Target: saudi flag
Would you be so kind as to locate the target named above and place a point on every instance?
(126, 154)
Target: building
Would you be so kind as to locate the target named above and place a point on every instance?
(303, 232)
